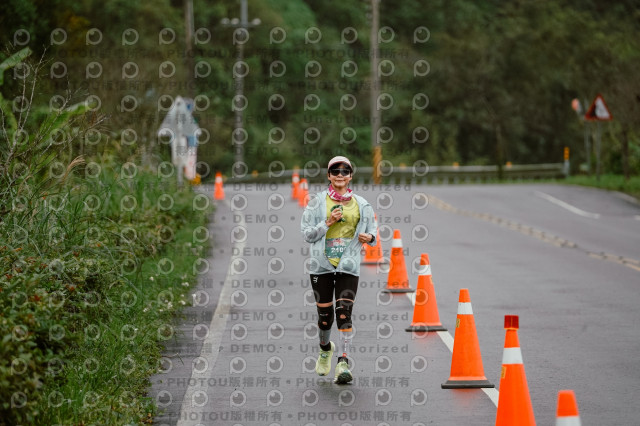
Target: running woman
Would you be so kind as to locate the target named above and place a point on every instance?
(337, 223)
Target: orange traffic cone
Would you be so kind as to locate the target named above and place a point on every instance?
(466, 361)
(425, 312)
(303, 199)
(295, 186)
(218, 191)
(514, 403)
(398, 279)
(567, 412)
(373, 255)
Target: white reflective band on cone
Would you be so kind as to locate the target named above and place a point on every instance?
(568, 421)
(464, 308)
(218, 179)
(512, 356)
(424, 270)
(397, 242)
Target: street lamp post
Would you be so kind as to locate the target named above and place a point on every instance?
(243, 24)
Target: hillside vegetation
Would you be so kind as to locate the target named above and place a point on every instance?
(501, 75)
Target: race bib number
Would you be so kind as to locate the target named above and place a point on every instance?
(336, 246)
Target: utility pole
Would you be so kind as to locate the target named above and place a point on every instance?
(375, 91)
(239, 81)
(188, 29)
(238, 126)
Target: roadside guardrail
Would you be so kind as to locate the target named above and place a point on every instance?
(418, 174)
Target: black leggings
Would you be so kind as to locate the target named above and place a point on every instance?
(344, 286)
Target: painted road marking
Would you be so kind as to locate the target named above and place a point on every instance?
(536, 233)
(493, 394)
(572, 209)
(217, 327)
(447, 338)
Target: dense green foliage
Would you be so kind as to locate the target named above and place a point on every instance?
(95, 258)
(502, 75)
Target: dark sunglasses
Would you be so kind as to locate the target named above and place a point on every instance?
(343, 172)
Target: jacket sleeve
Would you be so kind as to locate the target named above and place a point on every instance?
(312, 229)
(371, 224)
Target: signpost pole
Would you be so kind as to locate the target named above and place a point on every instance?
(587, 144)
(598, 147)
(587, 147)
(598, 111)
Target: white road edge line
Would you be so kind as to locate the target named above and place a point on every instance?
(447, 338)
(217, 327)
(567, 206)
(493, 395)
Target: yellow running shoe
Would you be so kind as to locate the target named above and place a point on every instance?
(323, 364)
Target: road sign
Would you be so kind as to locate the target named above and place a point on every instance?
(598, 111)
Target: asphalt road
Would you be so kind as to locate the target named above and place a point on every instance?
(565, 259)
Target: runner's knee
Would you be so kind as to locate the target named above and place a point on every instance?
(343, 313)
(325, 317)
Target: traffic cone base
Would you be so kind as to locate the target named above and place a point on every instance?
(467, 384)
(374, 262)
(425, 328)
(398, 290)
(373, 255)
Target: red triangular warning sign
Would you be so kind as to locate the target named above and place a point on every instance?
(598, 111)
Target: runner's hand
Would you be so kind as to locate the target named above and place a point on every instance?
(336, 215)
(365, 238)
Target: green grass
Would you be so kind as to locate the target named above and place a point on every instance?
(127, 352)
(609, 182)
(87, 297)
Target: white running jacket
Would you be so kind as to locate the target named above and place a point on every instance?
(314, 230)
